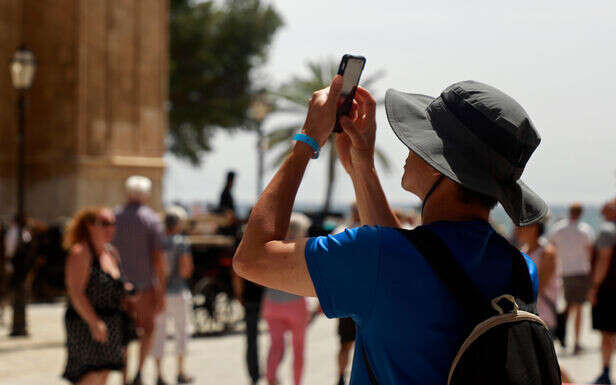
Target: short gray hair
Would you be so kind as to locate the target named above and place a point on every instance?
(138, 187)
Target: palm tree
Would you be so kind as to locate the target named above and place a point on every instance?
(293, 98)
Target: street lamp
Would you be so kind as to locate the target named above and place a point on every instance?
(259, 108)
(22, 68)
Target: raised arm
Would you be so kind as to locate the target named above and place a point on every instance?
(356, 153)
(547, 267)
(263, 256)
(604, 258)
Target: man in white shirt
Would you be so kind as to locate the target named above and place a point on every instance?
(573, 241)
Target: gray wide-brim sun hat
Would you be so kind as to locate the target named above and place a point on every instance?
(475, 135)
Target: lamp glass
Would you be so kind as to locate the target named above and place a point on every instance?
(259, 110)
(22, 69)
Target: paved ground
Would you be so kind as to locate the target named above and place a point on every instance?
(39, 359)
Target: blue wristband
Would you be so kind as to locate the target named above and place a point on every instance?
(309, 141)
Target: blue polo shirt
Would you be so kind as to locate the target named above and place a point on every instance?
(408, 322)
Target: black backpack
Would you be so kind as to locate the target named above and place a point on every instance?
(510, 344)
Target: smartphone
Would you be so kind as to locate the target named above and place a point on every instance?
(350, 68)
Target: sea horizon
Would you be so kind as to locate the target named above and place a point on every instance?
(498, 216)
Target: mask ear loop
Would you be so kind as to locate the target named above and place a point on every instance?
(432, 189)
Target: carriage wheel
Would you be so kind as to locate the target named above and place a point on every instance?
(214, 311)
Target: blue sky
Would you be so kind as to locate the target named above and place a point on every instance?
(556, 58)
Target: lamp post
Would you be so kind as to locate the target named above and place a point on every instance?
(259, 108)
(22, 68)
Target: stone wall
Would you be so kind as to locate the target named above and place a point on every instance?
(10, 34)
(96, 109)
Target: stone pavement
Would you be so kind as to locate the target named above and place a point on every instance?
(39, 359)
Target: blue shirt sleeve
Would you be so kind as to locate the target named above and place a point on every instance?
(534, 274)
(344, 269)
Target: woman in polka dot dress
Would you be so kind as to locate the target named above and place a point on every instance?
(97, 328)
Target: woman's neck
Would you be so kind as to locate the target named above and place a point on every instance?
(98, 247)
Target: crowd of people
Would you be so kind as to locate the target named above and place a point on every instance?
(575, 264)
(114, 295)
(125, 277)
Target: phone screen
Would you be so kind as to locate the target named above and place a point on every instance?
(350, 68)
(351, 74)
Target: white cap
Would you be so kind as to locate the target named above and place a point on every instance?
(177, 211)
(299, 224)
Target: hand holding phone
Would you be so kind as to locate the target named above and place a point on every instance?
(350, 68)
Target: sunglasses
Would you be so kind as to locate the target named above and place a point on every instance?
(105, 223)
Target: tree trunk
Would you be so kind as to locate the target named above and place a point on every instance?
(331, 178)
(260, 158)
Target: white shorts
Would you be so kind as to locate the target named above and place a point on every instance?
(177, 307)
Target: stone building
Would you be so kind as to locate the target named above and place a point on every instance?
(96, 110)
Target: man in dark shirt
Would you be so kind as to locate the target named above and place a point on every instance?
(250, 294)
(139, 241)
(602, 293)
(226, 199)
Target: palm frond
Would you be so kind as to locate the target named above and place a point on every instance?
(324, 70)
(290, 94)
(316, 70)
(281, 135)
(383, 159)
(369, 81)
(281, 157)
(291, 108)
(299, 89)
(331, 69)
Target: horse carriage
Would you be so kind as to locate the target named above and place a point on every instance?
(213, 240)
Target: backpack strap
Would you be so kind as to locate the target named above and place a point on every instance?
(371, 375)
(445, 266)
